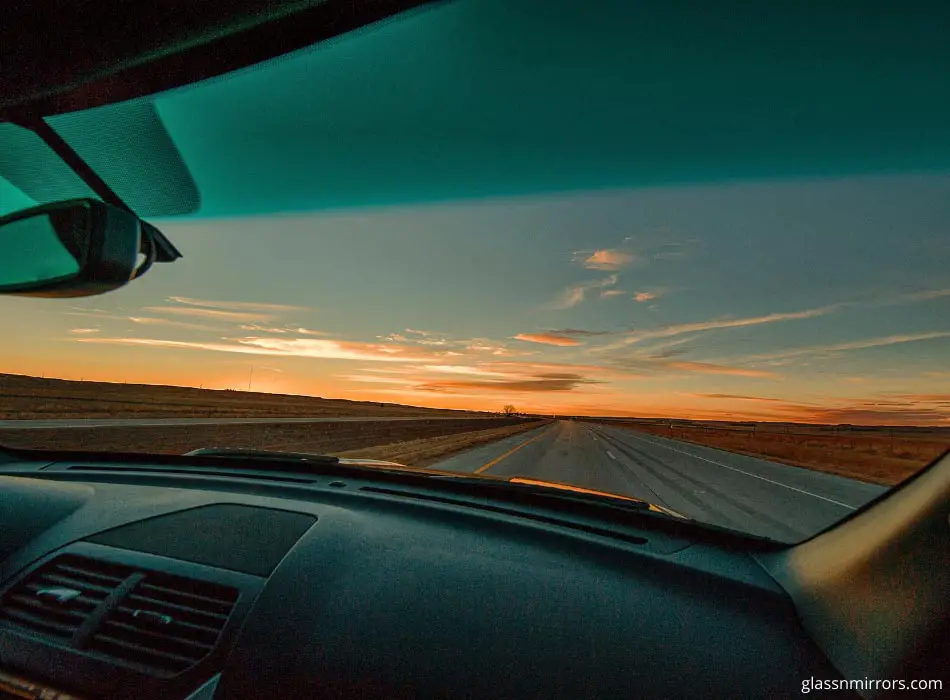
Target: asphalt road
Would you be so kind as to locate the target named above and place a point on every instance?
(164, 422)
(713, 486)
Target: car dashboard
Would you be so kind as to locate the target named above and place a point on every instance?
(182, 581)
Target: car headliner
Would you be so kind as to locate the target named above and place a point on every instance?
(500, 98)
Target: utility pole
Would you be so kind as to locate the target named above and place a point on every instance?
(250, 379)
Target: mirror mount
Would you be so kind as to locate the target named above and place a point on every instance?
(165, 251)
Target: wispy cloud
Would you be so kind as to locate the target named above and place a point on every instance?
(258, 328)
(92, 313)
(291, 347)
(659, 246)
(658, 366)
(605, 259)
(666, 348)
(462, 369)
(215, 314)
(711, 368)
(576, 293)
(480, 345)
(925, 397)
(736, 396)
(246, 312)
(534, 368)
(549, 339)
(236, 305)
(644, 296)
(168, 322)
(84, 330)
(672, 251)
(371, 379)
(843, 347)
(250, 316)
(717, 324)
(608, 293)
(579, 332)
(430, 338)
(462, 346)
(925, 295)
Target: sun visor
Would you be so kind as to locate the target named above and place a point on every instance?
(31, 173)
(126, 144)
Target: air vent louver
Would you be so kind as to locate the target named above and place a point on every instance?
(166, 624)
(57, 598)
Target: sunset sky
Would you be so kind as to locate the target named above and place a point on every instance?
(662, 301)
(483, 203)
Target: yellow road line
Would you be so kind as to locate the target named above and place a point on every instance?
(509, 452)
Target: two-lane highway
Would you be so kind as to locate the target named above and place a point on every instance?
(713, 486)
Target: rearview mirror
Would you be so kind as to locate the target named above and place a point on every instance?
(76, 248)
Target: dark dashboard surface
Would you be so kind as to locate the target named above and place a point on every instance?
(329, 587)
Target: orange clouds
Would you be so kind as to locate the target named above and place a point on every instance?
(548, 339)
(644, 296)
(710, 368)
(607, 260)
(736, 396)
(461, 369)
(542, 383)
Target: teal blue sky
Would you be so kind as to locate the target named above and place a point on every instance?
(629, 211)
(821, 300)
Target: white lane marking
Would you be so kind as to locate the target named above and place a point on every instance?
(611, 455)
(741, 471)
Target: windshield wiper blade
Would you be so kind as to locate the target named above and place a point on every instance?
(240, 453)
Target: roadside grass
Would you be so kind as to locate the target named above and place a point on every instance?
(880, 459)
(321, 438)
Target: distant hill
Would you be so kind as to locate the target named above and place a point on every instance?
(25, 397)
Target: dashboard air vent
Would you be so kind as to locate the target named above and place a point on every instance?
(167, 623)
(57, 598)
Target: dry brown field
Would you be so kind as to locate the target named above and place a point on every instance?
(881, 455)
(32, 398)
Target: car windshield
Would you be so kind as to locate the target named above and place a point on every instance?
(460, 240)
